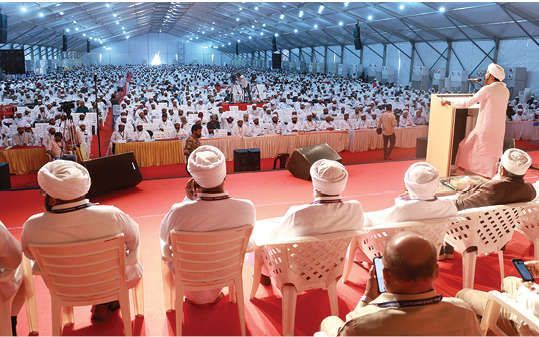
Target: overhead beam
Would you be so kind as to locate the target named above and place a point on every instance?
(390, 42)
(518, 24)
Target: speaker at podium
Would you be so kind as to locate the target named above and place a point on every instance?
(448, 126)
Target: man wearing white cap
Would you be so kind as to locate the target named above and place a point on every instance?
(207, 207)
(507, 187)
(480, 150)
(328, 213)
(421, 181)
(21, 138)
(10, 276)
(70, 217)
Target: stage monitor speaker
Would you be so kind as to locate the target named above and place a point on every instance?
(113, 173)
(5, 182)
(3, 28)
(276, 60)
(246, 160)
(12, 61)
(64, 42)
(299, 163)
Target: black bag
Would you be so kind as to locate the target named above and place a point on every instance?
(379, 131)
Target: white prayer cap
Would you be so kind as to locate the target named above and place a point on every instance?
(64, 179)
(20, 125)
(207, 165)
(421, 180)
(496, 71)
(329, 176)
(27, 125)
(516, 161)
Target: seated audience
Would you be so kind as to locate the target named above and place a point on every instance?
(70, 217)
(506, 187)
(11, 274)
(524, 293)
(419, 202)
(410, 306)
(207, 207)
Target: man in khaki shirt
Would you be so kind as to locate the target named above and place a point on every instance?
(410, 306)
(388, 123)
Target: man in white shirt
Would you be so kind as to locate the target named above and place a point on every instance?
(120, 135)
(328, 213)
(11, 274)
(274, 127)
(241, 130)
(346, 123)
(140, 135)
(177, 132)
(309, 124)
(327, 124)
(85, 137)
(256, 128)
(21, 137)
(69, 217)
(419, 118)
(207, 207)
(293, 126)
(419, 203)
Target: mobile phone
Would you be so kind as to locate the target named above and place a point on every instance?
(379, 271)
(523, 270)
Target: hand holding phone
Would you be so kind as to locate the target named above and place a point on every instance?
(523, 270)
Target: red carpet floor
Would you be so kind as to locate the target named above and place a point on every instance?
(272, 193)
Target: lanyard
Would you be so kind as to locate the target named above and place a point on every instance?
(410, 303)
(71, 209)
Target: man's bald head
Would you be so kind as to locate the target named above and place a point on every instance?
(410, 257)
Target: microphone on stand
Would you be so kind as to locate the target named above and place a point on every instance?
(475, 79)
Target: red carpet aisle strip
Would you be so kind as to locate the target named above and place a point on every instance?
(272, 193)
(105, 133)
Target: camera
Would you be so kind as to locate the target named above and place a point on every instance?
(67, 107)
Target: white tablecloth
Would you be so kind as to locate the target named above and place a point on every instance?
(522, 130)
(368, 139)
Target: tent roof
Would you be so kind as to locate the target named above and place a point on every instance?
(254, 23)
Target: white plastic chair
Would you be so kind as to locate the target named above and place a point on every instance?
(373, 240)
(482, 231)
(29, 301)
(206, 261)
(86, 273)
(497, 302)
(529, 225)
(311, 262)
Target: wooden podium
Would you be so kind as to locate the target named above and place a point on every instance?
(448, 125)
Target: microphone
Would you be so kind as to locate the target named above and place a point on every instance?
(475, 79)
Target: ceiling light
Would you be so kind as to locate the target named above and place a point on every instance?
(61, 13)
(250, 38)
(315, 26)
(67, 30)
(190, 39)
(300, 14)
(281, 16)
(40, 14)
(90, 38)
(346, 4)
(237, 19)
(58, 4)
(196, 37)
(276, 34)
(442, 9)
(222, 45)
(84, 34)
(117, 22)
(320, 9)
(127, 37)
(401, 7)
(114, 14)
(261, 33)
(203, 32)
(212, 28)
(256, 8)
(123, 28)
(74, 22)
(263, 25)
(252, 26)
(77, 29)
(238, 41)
(341, 23)
(229, 43)
(24, 9)
(369, 17)
(213, 23)
(240, 8)
(295, 30)
(107, 5)
(232, 33)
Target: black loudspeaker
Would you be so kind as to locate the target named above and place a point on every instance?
(3, 28)
(113, 173)
(5, 182)
(274, 44)
(12, 61)
(301, 159)
(276, 60)
(246, 160)
(421, 147)
(87, 46)
(357, 38)
(64, 43)
(237, 48)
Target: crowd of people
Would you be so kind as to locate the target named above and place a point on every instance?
(409, 259)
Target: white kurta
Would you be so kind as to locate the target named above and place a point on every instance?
(94, 222)
(10, 259)
(205, 216)
(412, 210)
(480, 151)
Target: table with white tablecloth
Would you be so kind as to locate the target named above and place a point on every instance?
(169, 152)
(522, 130)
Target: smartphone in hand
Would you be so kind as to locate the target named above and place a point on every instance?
(379, 271)
(523, 270)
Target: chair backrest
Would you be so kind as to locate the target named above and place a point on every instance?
(374, 240)
(499, 301)
(209, 260)
(488, 228)
(529, 221)
(308, 262)
(88, 272)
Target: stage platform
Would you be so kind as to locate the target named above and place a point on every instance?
(375, 185)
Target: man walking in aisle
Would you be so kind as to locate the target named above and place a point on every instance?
(387, 123)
